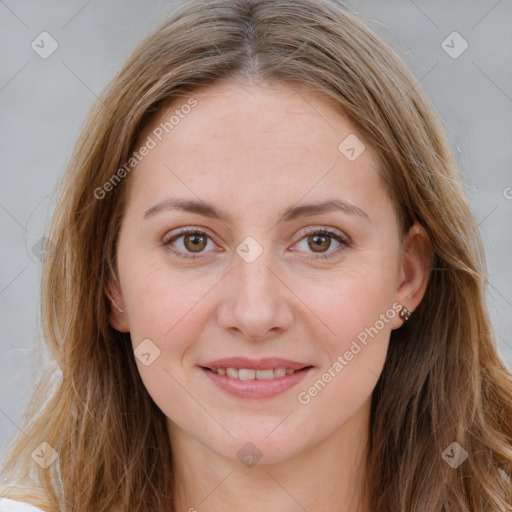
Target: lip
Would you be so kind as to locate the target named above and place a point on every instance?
(255, 364)
(255, 389)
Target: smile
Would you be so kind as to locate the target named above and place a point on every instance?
(256, 384)
(251, 374)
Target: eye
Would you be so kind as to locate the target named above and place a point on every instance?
(320, 240)
(196, 240)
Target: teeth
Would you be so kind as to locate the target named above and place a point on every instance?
(232, 372)
(280, 372)
(244, 374)
(265, 374)
(251, 374)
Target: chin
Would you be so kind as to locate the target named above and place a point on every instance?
(259, 447)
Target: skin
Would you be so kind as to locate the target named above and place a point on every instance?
(254, 150)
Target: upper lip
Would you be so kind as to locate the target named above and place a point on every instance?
(255, 364)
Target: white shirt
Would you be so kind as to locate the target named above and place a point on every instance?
(7, 505)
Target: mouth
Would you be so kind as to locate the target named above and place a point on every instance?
(252, 374)
(249, 378)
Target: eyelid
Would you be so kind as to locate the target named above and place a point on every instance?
(344, 241)
(166, 242)
(185, 231)
(309, 230)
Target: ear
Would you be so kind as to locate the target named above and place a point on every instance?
(415, 265)
(118, 317)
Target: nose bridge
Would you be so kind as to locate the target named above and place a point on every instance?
(255, 284)
(256, 302)
(254, 256)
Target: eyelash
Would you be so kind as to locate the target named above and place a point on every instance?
(192, 231)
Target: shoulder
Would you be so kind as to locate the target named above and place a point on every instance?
(7, 505)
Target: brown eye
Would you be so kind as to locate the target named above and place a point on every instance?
(319, 243)
(188, 243)
(195, 242)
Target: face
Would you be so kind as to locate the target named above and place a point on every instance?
(263, 275)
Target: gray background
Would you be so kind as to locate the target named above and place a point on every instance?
(43, 104)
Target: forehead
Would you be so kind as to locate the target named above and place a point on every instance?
(257, 115)
(254, 143)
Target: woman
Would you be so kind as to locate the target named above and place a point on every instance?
(268, 289)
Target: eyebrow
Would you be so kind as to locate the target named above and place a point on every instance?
(292, 213)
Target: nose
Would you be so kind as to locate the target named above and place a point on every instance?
(256, 303)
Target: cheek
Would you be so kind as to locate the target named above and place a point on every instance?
(351, 300)
(168, 311)
(356, 311)
(161, 303)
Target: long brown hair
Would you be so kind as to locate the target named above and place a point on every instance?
(443, 381)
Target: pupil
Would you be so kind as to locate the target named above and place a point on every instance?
(196, 240)
(319, 238)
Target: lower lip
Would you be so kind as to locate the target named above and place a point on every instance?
(256, 388)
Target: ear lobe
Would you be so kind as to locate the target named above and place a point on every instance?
(117, 316)
(416, 262)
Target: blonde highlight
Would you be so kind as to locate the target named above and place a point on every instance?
(97, 402)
